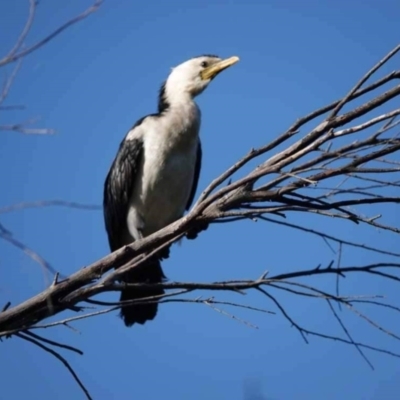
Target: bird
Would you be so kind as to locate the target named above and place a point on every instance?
(154, 176)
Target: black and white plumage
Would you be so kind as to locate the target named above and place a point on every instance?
(154, 176)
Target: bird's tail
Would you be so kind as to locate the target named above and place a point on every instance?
(150, 272)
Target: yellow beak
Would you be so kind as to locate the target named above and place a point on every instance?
(213, 70)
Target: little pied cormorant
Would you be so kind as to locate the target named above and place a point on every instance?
(154, 176)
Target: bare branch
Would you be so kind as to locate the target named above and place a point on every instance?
(8, 83)
(27, 131)
(19, 51)
(24, 33)
(16, 53)
(8, 237)
(327, 237)
(53, 343)
(362, 81)
(348, 335)
(60, 358)
(48, 203)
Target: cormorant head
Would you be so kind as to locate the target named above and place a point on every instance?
(194, 75)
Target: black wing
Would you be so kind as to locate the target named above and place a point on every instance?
(196, 176)
(118, 190)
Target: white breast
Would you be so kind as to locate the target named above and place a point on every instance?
(166, 175)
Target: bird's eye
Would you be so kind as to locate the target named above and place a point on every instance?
(204, 64)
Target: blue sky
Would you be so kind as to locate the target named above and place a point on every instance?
(91, 84)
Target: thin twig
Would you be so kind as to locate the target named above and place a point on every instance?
(60, 358)
(345, 330)
(15, 54)
(53, 343)
(25, 30)
(8, 237)
(48, 203)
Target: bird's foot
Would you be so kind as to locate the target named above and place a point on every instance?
(200, 226)
(164, 253)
